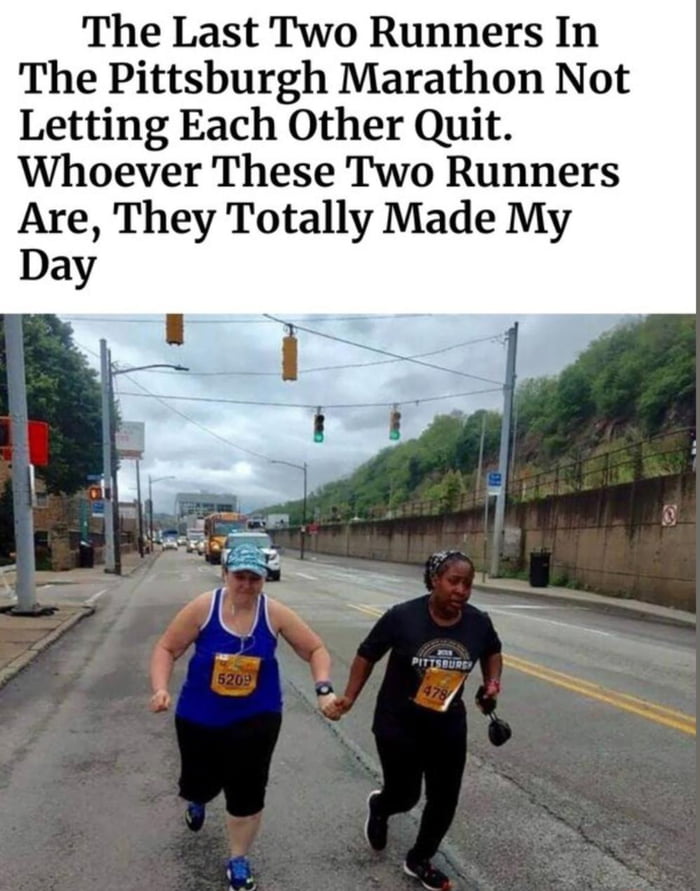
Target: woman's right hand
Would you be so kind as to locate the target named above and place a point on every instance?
(160, 701)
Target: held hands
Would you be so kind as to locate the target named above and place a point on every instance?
(334, 707)
(160, 701)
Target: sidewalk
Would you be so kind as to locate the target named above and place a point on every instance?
(22, 638)
(601, 602)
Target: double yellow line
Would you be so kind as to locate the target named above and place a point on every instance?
(659, 714)
(643, 708)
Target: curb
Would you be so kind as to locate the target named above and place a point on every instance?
(13, 668)
(606, 606)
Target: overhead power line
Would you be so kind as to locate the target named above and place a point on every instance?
(326, 405)
(275, 374)
(382, 352)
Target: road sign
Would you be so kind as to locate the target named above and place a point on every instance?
(494, 481)
(93, 477)
(98, 508)
(669, 515)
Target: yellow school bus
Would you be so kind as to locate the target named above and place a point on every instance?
(216, 528)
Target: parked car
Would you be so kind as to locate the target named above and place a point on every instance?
(169, 543)
(261, 540)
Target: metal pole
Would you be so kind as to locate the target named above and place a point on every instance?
(499, 513)
(21, 490)
(140, 515)
(486, 535)
(115, 464)
(107, 457)
(481, 456)
(303, 518)
(514, 438)
(150, 507)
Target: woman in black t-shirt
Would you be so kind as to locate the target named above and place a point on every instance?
(420, 725)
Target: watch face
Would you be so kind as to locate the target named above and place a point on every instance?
(323, 689)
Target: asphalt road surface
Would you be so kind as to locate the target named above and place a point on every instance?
(596, 789)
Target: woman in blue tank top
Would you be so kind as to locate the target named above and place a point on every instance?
(232, 698)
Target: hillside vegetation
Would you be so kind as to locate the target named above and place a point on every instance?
(629, 386)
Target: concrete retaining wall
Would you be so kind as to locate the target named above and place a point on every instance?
(607, 540)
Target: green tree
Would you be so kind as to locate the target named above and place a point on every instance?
(63, 391)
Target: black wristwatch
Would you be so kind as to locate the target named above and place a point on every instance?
(323, 688)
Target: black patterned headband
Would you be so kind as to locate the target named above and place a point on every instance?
(437, 560)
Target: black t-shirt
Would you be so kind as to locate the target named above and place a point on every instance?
(428, 665)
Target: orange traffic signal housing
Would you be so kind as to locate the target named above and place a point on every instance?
(174, 329)
(95, 493)
(289, 358)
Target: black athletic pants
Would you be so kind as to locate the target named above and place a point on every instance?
(406, 761)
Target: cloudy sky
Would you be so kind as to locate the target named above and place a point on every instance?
(234, 415)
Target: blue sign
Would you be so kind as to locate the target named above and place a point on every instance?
(494, 479)
(93, 477)
(98, 508)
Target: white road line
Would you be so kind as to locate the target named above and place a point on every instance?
(94, 597)
(304, 576)
(504, 609)
(553, 622)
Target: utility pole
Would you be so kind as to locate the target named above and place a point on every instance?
(21, 494)
(106, 388)
(116, 523)
(140, 515)
(508, 390)
(481, 456)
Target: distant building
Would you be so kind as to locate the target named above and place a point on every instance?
(202, 503)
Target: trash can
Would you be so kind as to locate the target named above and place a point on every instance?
(86, 555)
(539, 568)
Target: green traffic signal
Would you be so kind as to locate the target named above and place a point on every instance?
(394, 434)
(318, 436)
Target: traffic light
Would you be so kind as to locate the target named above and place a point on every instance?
(318, 426)
(289, 358)
(95, 493)
(174, 329)
(395, 424)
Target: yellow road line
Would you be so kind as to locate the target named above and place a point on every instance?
(659, 714)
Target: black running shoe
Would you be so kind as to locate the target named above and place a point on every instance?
(425, 872)
(375, 826)
(194, 816)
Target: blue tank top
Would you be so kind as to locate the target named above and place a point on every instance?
(229, 677)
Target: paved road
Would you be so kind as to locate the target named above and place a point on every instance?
(596, 790)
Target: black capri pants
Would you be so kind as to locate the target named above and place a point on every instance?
(409, 760)
(235, 759)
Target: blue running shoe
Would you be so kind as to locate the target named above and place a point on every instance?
(239, 875)
(194, 816)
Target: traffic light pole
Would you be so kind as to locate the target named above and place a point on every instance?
(499, 513)
(302, 541)
(105, 375)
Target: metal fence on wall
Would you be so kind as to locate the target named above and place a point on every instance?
(661, 455)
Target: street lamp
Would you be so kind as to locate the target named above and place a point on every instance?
(109, 454)
(303, 509)
(158, 479)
